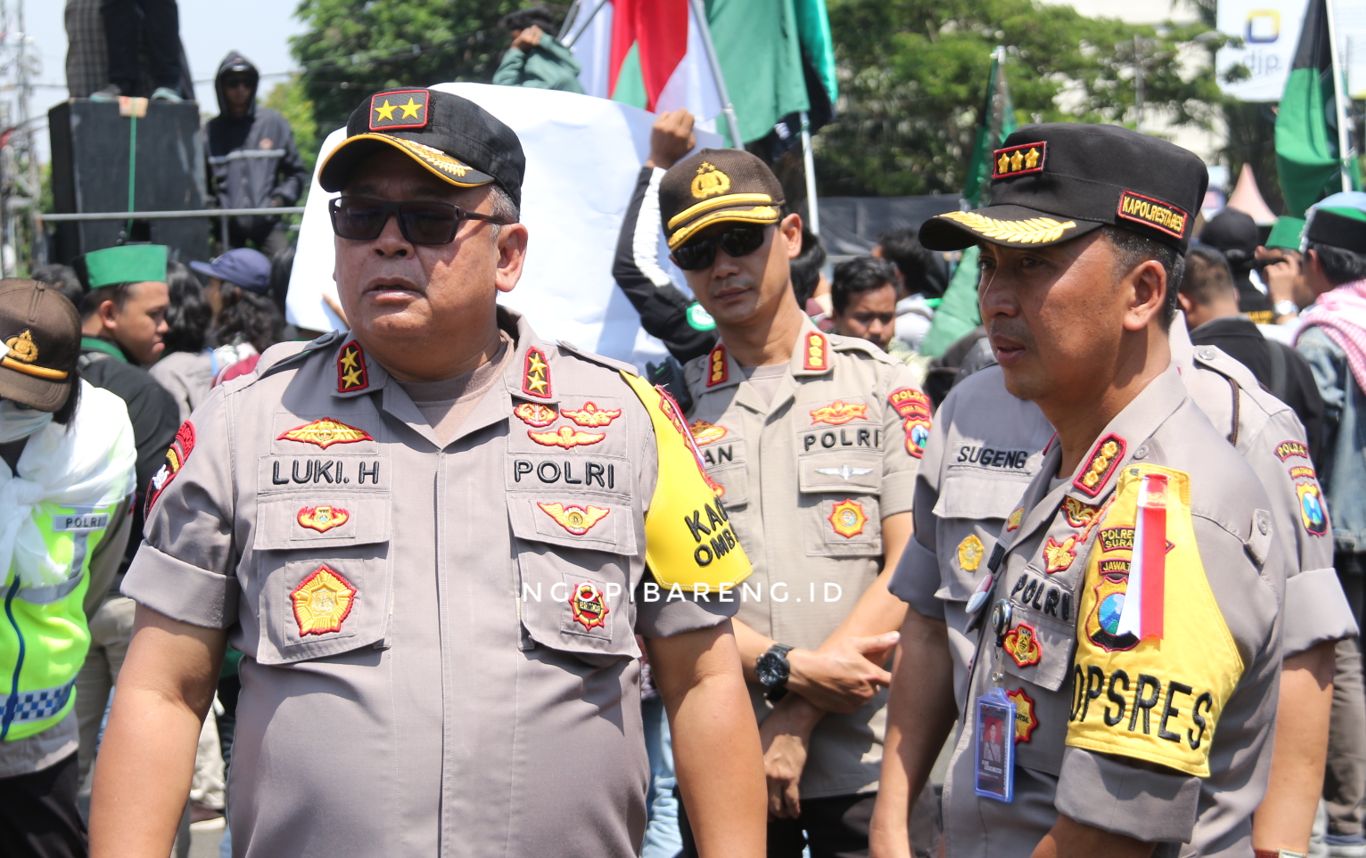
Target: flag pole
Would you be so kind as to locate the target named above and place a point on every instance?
(809, 161)
(571, 38)
(699, 14)
(1339, 102)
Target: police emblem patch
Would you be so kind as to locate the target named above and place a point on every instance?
(914, 408)
(1302, 472)
(21, 347)
(577, 520)
(322, 601)
(1021, 643)
(847, 518)
(1103, 462)
(839, 412)
(592, 416)
(1151, 212)
(399, 108)
(1078, 514)
(352, 373)
(707, 433)
(970, 553)
(1312, 511)
(535, 414)
(536, 374)
(1025, 719)
(566, 437)
(324, 433)
(1058, 556)
(588, 606)
(709, 181)
(1291, 448)
(1014, 519)
(176, 455)
(322, 518)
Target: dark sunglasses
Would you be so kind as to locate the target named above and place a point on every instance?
(363, 219)
(736, 241)
(234, 82)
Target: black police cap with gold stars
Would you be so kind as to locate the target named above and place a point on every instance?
(1053, 183)
(715, 186)
(455, 139)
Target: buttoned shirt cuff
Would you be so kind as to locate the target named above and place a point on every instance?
(1142, 802)
(180, 591)
(1316, 611)
(916, 579)
(662, 613)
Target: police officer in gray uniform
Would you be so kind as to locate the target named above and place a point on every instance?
(434, 539)
(1132, 605)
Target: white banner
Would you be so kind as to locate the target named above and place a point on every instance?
(583, 156)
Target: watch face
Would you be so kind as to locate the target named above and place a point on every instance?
(772, 669)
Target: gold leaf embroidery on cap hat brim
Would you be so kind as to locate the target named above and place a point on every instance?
(1034, 230)
(761, 215)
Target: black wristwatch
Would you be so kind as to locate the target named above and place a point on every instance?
(773, 671)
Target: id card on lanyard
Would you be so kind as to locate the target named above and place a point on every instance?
(994, 746)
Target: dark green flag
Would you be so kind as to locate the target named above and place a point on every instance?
(1308, 157)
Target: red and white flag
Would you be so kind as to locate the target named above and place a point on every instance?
(1143, 599)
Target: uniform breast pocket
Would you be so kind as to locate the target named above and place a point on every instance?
(1036, 658)
(322, 570)
(574, 560)
(839, 502)
(971, 509)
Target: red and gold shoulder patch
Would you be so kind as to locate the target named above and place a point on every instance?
(1312, 511)
(1102, 464)
(322, 601)
(322, 518)
(535, 414)
(1058, 556)
(914, 408)
(1019, 160)
(1021, 643)
(1291, 449)
(324, 433)
(816, 356)
(1078, 514)
(1156, 214)
(707, 433)
(176, 454)
(1025, 719)
(588, 606)
(399, 108)
(718, 369)
(839, 413)
(566, 437)
(536, 375)
(577, 520)
(592, 416)
(352, 373)
(847, 518)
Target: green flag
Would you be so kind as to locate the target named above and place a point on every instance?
(959, 314)
(1308, 157)
(777, 58)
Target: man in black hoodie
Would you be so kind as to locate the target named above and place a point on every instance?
(253, 162)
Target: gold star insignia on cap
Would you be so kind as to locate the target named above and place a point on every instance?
(1019, 160)
(1031, 159)
(1003, 163)
(399, 108)
(410, 110)
(22, 347)
(385, 111)
(1016, 161)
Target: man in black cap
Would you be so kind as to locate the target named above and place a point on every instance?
(66, 480)
(1131, 605)
(429, 538)
(814, 441)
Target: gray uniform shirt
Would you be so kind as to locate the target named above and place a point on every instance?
(807, 477)
(1155, 803)
(439, 641)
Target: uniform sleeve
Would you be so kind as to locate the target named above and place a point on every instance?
(1316, 608)
(184, 568)
(916, 578)
(693, 558)
(906, 426)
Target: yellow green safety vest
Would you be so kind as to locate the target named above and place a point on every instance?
(43, 632)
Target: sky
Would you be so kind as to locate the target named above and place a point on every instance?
(259, 29)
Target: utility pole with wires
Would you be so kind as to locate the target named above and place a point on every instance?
(21, 236)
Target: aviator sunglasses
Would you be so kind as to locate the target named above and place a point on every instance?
(363, 219)
(736, 241)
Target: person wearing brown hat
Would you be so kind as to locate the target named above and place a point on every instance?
(1127, 620)
(434, 539)
(813, 440)
(66, 479)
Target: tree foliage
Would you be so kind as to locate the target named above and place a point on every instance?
(351, 49)
(913, 75)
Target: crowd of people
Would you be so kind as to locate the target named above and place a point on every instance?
(1088, 583)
